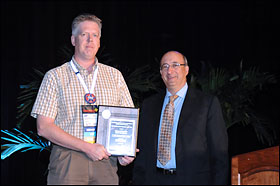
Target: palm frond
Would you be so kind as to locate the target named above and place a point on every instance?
(236, 92)
(27, 96)
(141, 81)
(21, 142)
(216, 79)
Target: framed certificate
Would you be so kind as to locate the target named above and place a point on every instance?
(117, 129)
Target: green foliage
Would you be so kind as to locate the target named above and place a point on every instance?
(141, 82)
(236, 92)
(21, 142)
(27, 96)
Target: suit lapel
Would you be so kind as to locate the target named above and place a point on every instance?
(185, 114)
(186, 110)
(157, 107)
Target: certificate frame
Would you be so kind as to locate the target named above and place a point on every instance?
(117, 129)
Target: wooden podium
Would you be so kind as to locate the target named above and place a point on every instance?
(256, 168)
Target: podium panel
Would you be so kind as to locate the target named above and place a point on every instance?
(256, 168)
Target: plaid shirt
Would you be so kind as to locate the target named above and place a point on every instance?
(61, 94)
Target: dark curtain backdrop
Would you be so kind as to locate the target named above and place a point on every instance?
(134, 33)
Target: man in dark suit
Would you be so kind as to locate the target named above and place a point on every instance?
(199, 143)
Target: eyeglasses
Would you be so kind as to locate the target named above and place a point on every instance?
(175, 66)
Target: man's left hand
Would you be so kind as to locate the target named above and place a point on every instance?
(125, 160)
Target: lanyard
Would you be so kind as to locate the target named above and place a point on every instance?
(82, 80)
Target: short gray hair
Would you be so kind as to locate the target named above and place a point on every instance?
(85, 17)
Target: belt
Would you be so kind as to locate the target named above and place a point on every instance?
(166, 171)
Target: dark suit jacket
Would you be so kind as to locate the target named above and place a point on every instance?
(201, 142)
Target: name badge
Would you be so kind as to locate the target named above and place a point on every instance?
(89, 113)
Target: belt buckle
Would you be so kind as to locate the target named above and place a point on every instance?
(171, 171)
(168, 171)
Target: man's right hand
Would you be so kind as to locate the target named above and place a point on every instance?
(53, 133)
(97, 152)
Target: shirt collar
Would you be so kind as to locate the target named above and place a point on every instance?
(181, 93)
(80, 68)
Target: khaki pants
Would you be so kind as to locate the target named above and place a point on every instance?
(72, 167)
